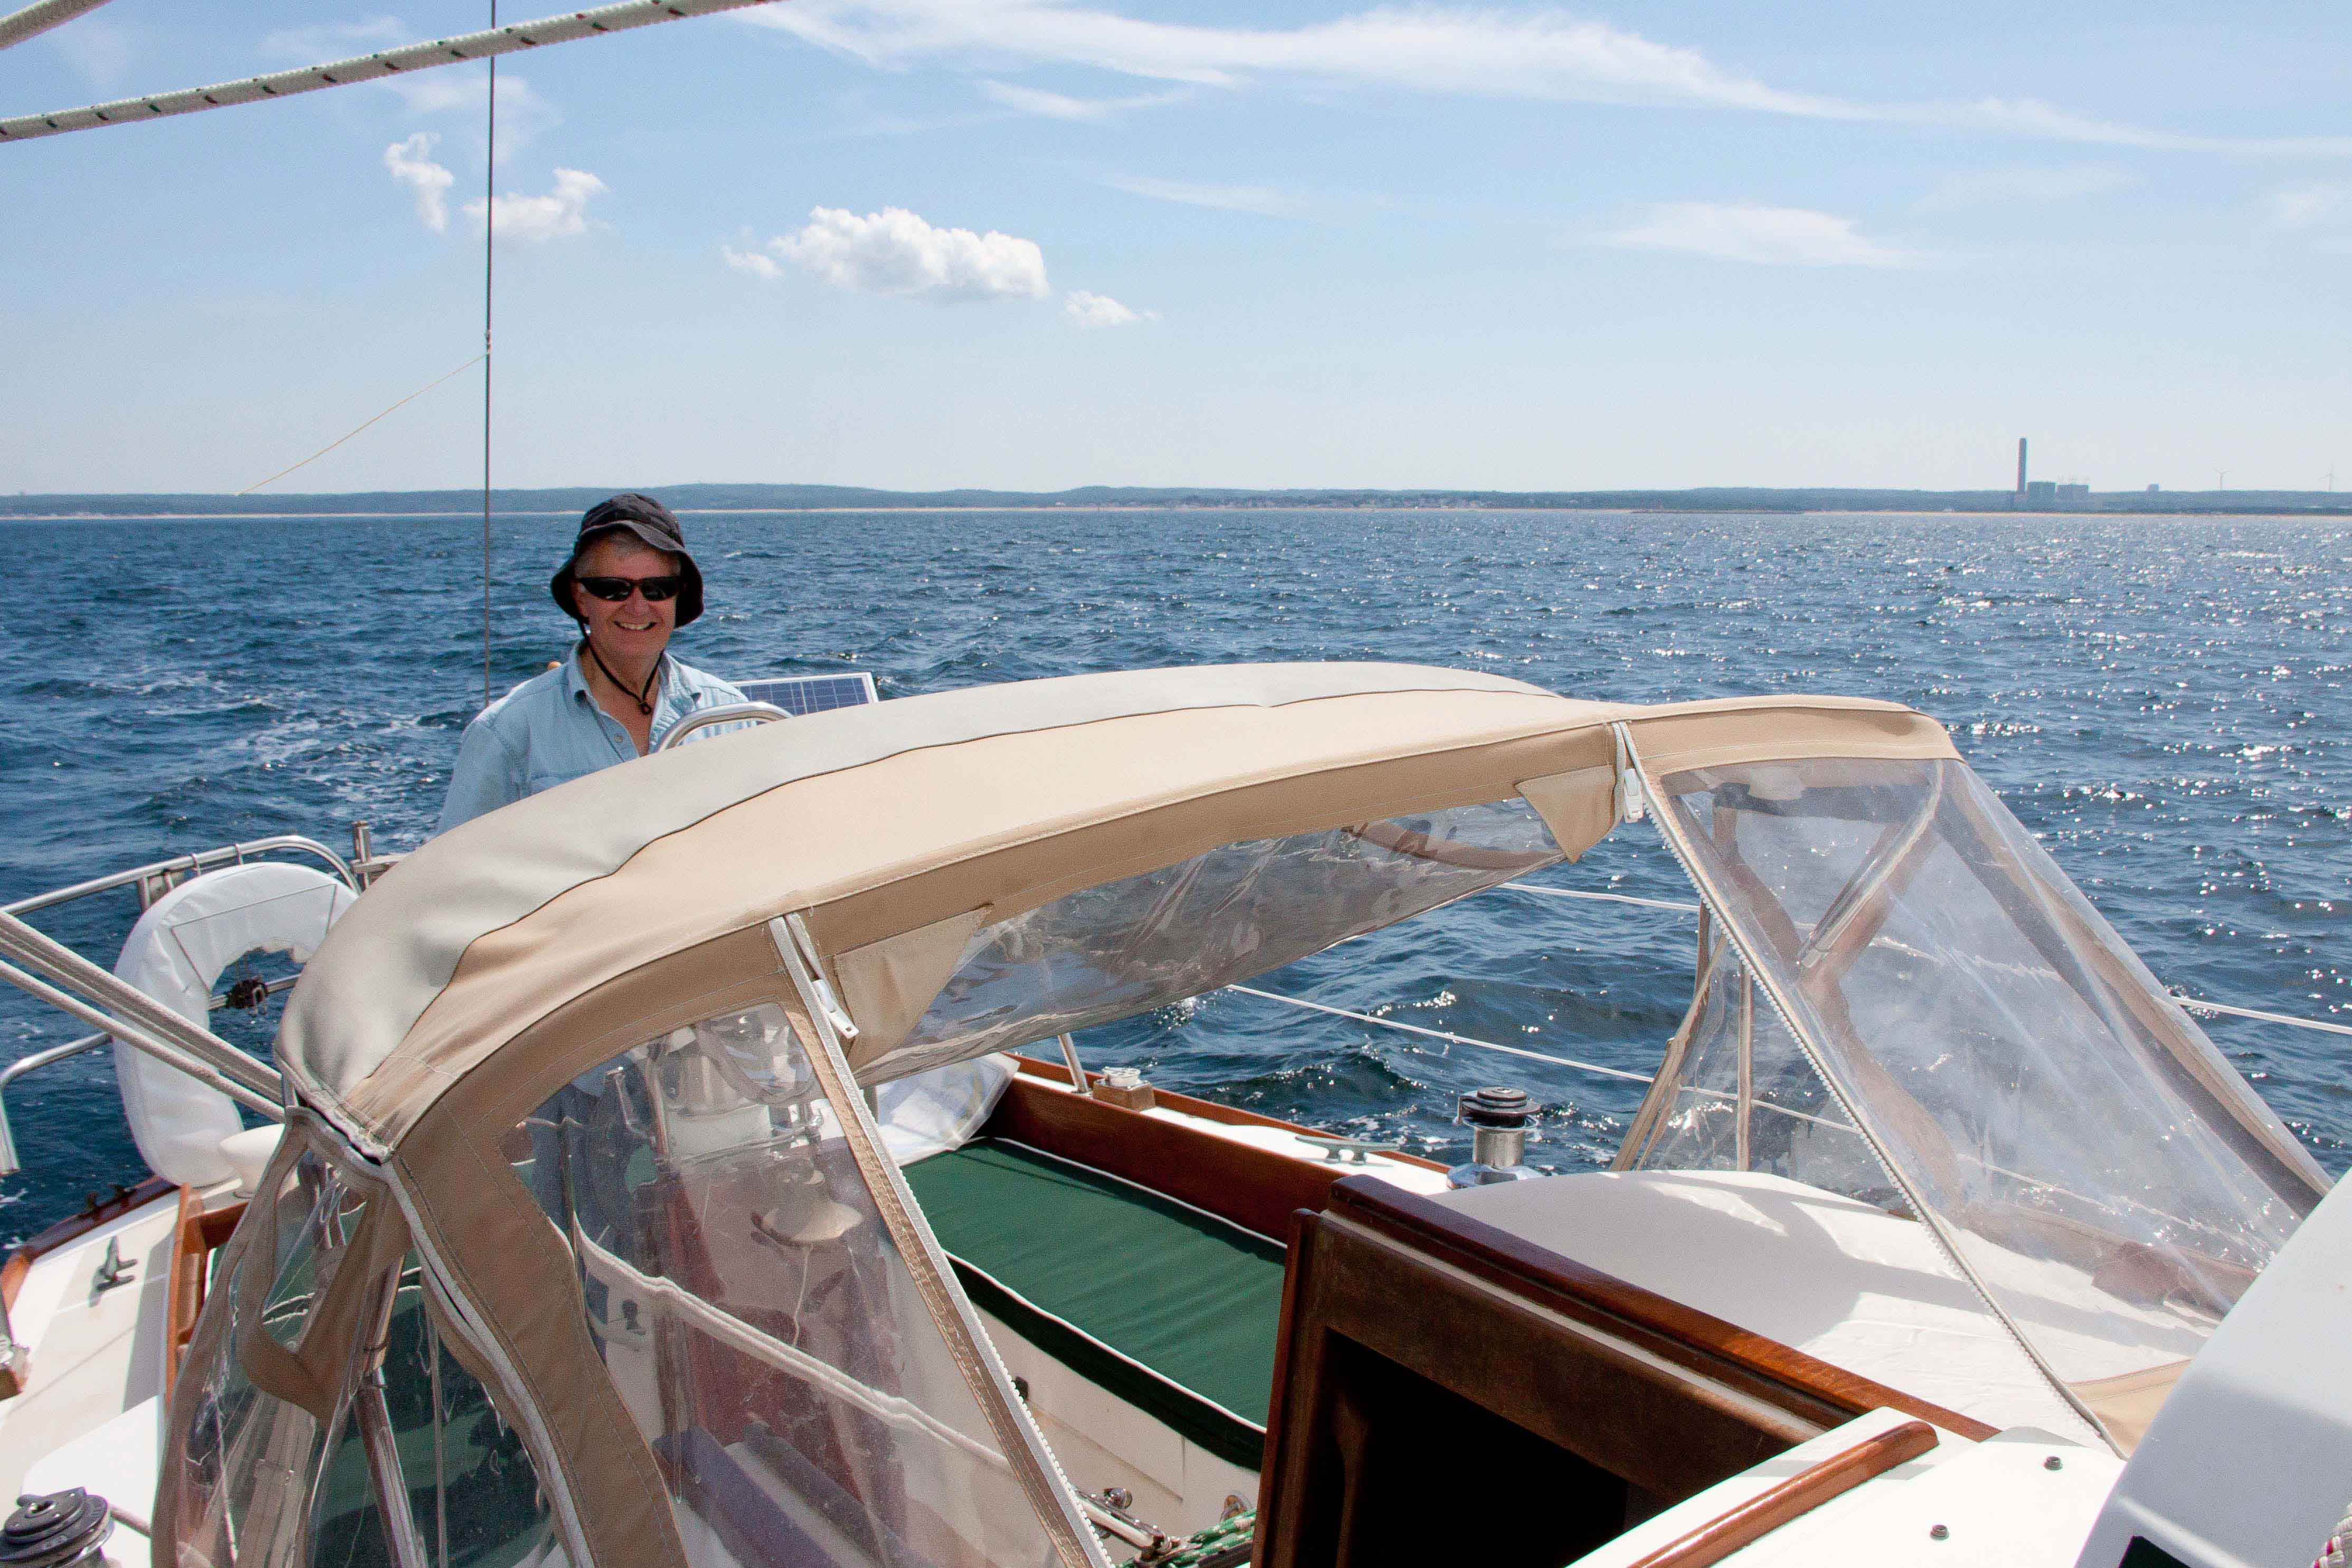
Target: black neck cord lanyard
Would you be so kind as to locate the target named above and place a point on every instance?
(638, 697)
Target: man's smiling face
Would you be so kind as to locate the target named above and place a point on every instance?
(637, 627)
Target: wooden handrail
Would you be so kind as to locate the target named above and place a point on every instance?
(1210, 1110)
(197, 1234)
(1801, 1493)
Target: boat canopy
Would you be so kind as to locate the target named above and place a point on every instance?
(912, 835)
(588, 1068)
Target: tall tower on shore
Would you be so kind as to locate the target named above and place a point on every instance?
(2020, 467)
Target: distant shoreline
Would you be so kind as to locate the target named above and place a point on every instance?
(2165, 514)
(770, 500)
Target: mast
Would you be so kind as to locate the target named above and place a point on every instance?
(490, 233)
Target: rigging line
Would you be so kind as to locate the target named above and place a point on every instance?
(1676, 906)
(403, 403)
(559, 29)
(490, 232)
(2199, 1005)
(2194, 1004)
(1441, 1034)
(40, 16)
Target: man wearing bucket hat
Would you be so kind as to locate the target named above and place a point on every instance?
(629, 582)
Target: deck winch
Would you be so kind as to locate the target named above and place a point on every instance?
(1497, 1119)
(58, 1530)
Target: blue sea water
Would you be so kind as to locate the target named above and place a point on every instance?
(2167, 703)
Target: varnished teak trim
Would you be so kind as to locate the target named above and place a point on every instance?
(1254, 1187)
(1209, 1111)
(197, 1234)
(1801, 1493)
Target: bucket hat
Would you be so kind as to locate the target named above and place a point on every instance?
(648, 521)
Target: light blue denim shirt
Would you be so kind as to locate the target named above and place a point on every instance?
(548, 731)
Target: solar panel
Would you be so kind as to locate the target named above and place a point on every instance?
(802, 694)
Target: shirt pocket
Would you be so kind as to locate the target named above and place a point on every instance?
(549, 777)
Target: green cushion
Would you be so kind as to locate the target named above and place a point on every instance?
(1196, 1300)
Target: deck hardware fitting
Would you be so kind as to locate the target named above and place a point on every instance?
(112, 1270)
(1110, 1510)
(60, 1527)
(15, 1357)
(1350, 1150)
(1497, 1119)
(834, 1013)
(1939, 1533)
(2053, 1463)
(1124, 1087)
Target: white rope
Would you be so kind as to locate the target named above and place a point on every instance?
(2339, 1543)
(40, 16)
(562, 29)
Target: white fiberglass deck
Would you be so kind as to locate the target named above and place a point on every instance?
(1850, 1284)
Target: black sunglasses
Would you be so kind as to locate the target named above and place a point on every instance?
(613, 590)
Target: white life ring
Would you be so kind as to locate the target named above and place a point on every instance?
(176, 954)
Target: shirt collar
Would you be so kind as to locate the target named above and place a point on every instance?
(576, 679)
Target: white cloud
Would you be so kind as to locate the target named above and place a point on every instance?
(410, 162)
(523, 114)
(559, 215)
(2031, 116)
(1260, 199)
(1535, 51)
(1060, 106)
(895, 251)
(2305, 207)
(753, 262)
(1101, 310)
(1745, 231)
(100, 50)
(1539, 52)
(335, 40)
(2007, 187)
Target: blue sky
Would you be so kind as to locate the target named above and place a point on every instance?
(1017, 243)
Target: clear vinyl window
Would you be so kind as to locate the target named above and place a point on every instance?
(755, 1317)
(2106, 1174)
(473, 1494)
(251, 1425)
(1144, 942)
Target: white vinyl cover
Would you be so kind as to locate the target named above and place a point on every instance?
(937, 1111)
(2250, 1462)
(176, 954)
